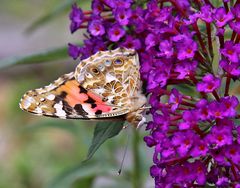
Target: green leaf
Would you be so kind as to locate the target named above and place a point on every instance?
(46, 56)
(84, 170)
(102, 132)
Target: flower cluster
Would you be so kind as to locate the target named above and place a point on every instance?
(189, 53)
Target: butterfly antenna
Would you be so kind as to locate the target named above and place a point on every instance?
(124, 155)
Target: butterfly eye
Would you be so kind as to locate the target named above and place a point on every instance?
(107, 62)
(118, 61)
(95, 71)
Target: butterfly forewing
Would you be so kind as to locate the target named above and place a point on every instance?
(66, 98)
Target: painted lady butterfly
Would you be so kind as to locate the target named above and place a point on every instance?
(105, 85)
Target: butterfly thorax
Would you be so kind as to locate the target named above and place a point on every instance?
(136, 107)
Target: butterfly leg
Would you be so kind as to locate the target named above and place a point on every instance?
(141, 122)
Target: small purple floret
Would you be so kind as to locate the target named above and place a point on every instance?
(209, 84)
(115, 33)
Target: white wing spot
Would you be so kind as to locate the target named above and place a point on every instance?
(50, 87)
(99, 91)
(81, 78)
(110, 77)
(38, 110)
(28, 101)
(59, 111)
(51, 97)
(40, 91)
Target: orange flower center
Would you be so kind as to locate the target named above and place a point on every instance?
(117, 32)
(189, 50)
(220, 138)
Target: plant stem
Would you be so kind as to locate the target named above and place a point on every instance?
(136, 176)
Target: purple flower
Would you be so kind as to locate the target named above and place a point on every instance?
(96, 28)
(222, 17)
(157, 136)
(222, 182)
(235, 26)
(231, 51)
(183, 141)
(131, 42)
(220, 136)
(238, 134)
(186, 49)
(154, 171)
(236, 11)
(230, 104)
(232, 152)
(203, 109)
(119, 3)
(91, 45)
(76, 16)
(191, 19)
(137, 20)
(99, 45)
(168, 152)
(150, 41)
(175, 99)
(162, 121)
(184, 4)
(115, 33)
(185, 68)
(189, 64)
(206, 13)
(219, 157)
(73, 51)
(161, 15)
(150, 141)
(157, 78)
(200, 172)
(216, 110)
(186, 173)
(209, 84)
(220, 32)
(122, 15)
(189, 119)
(166, 48)
(97, 7)
(199, 149)
(146, 64)
(231, 68)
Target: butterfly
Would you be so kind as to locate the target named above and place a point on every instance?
(105, 85)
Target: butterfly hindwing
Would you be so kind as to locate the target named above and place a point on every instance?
(66, 98)
(112, 74)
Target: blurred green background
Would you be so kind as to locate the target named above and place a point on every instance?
(38, 152)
